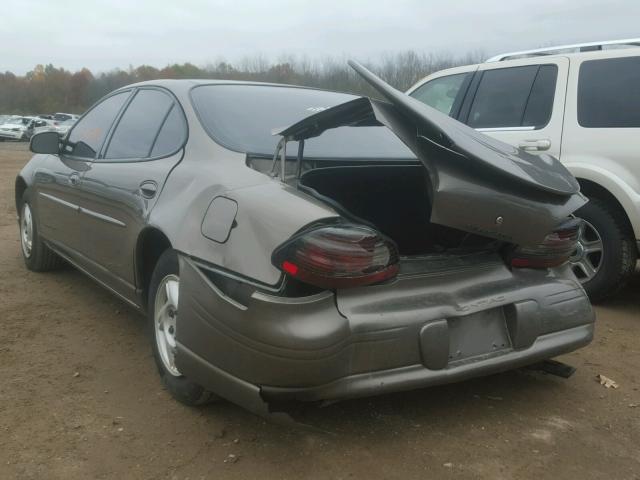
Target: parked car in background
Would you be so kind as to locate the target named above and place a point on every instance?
(16, 128)
(64, 117)
(371, 246)
(581, 104)
(40, 124)
(62, 127)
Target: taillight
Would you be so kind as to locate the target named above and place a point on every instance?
(554, 250)
(338, 256)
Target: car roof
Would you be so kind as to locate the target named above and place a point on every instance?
(184, 85)
(525, 58)
(582, 50)
(582, 55)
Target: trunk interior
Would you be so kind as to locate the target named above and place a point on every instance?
(395, 199)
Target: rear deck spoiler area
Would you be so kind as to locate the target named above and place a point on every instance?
(478, 184)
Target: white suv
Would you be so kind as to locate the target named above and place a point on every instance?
(580, 103)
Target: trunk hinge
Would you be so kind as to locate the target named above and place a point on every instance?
(281, 155)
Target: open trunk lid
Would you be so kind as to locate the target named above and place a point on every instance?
(477, 184)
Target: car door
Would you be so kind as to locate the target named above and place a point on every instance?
(122, 185)
(57, 179)
(521, 104)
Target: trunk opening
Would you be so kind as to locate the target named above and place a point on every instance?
(394, 199)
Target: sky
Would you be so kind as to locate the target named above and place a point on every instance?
(103, 35)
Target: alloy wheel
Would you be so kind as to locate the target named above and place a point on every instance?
(166, 316)
(586, 260)
(26, 230)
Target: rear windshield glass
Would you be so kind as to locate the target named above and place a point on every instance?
(242, 118)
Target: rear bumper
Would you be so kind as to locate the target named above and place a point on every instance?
(418, 331)
(417, 376)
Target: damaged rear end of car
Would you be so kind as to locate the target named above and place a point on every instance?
(448, 264)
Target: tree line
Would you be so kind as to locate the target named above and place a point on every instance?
(47, 88)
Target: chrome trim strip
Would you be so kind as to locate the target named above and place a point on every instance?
(79, 209)
(505, 129)
(60, 201)
(102, 217)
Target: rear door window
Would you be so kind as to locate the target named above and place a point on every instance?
(89, 133)
(609, 93)
(514, 97)
(138, 128)
(172, 134)
(441, 93)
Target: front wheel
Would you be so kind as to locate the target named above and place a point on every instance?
(163, 325)
(606, 255)
(37, 256)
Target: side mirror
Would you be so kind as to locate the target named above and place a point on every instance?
(45, 142)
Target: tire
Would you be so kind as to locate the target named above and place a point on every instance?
(618, 256)
(37, 256)
(164, 278)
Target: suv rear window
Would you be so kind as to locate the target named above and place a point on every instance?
(514, 97)
(609, 93)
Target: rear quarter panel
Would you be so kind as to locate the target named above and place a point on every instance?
(269, 212)
(609, 157)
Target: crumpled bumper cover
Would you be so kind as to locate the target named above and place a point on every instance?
(418, 376)
(418, 331)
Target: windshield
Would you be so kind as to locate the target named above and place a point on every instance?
(242, 118)
(17, 121)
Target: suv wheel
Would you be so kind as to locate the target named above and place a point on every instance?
(606, 254)
(163, 325)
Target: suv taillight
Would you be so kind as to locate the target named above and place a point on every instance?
(338, 256)
(554, 250)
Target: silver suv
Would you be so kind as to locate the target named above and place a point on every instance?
(581, 104)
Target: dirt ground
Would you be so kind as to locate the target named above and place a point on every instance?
(80, 399)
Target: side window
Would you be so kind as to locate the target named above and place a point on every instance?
(139, 125)
(540, 105)
(609, 93)
(171, 135)
(440, 93)
(514, 97)
(88, 134)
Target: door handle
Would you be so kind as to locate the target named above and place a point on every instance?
(74, 179)
(148, 188)
(535, 145)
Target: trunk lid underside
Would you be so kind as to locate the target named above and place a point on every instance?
(474, 183)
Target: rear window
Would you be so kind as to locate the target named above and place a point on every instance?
(242, 118)
(514, 97)
(609, 93)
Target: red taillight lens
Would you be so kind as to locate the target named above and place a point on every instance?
(554, 250)
(338, 256)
